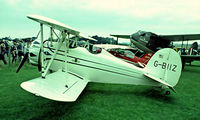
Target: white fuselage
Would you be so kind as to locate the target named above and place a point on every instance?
(101, 67)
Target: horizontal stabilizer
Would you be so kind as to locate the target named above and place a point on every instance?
(157, 79)
(59, 86)
(160, 81)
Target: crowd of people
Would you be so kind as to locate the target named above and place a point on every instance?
(14, 51)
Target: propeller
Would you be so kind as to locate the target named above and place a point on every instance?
(22, 62)
(39, 62)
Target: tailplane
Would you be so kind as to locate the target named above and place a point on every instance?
(164, 67)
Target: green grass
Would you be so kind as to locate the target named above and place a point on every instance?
(100, 101)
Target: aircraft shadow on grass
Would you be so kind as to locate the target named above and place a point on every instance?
(148, 93)
(63, 108)
(56, 110)
(156, 95)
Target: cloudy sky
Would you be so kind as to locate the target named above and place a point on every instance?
(102, 17)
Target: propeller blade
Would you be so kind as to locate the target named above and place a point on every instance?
(22, 62)
(39, 62)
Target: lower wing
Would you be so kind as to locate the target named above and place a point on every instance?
(58, 86)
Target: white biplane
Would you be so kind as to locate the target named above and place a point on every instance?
(74, 67)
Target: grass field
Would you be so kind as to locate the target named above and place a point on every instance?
(101, 101)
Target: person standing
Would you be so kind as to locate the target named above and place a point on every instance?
(2, 50)
(20, 52)
(6, 48)
(14, 52)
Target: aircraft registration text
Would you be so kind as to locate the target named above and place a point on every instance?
(164, 65)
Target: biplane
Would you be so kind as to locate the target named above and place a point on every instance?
(127, 53)
(150, 42)
(66, 68)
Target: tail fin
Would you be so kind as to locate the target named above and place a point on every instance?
(165, 67)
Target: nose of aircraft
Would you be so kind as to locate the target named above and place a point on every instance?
(34, 57)
(136, 36)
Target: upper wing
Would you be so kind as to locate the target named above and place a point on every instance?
(59, 86)
(182, 37)
(121, 36)
(53, 23)
(57, 25)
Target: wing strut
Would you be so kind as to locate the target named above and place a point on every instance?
(42, 49)
(65, 39)
(66, 49)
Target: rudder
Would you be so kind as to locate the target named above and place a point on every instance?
(165, 67)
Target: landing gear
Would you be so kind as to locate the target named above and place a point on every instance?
(167, 92)
(164, 90)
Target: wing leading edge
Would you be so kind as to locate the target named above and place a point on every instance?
(57, 25)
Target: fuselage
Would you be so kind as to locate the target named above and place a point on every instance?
(100, 67)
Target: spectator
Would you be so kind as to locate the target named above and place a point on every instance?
(14, 52)
(20, 52)
(6, 48)
(2, 50)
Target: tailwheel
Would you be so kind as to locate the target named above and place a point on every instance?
(167, 92)
(164, 90)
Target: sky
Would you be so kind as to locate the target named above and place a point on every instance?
(102, 17)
